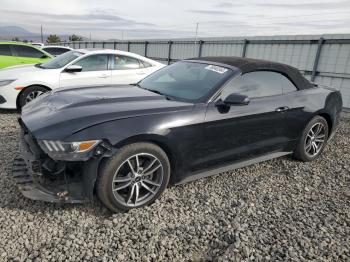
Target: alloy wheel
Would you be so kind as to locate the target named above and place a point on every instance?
(315, 139)
(32, 95)
(137, 180)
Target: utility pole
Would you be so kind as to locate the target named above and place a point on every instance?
(195, 41)
(41, 33)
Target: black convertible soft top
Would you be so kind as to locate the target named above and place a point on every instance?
(249, 65)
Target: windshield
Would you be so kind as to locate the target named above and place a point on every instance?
(61, 61)
(187, 81)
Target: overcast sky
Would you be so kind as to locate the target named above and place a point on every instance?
(131, 19)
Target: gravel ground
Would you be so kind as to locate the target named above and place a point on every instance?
(278, 210)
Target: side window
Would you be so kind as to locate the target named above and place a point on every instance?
(56, 50)
(121, 62)
(27, 51)
(5, 50)
(255, 84)
(93, 63)
(287, 85)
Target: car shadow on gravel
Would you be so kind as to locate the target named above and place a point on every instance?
(8, 111)
(17, 202)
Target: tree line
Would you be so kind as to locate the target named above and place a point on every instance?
(51, 39)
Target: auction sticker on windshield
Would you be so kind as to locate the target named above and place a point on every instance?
(217, 69)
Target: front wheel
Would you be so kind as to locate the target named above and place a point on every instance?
(29, 94)
(134, 177)
(313, 139)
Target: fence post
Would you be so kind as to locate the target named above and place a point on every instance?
(201, 42)
(128, 46)
(244, 50)
(169, 51)
(114, 45)
(146, 47)
(103, 45)
(317, 58)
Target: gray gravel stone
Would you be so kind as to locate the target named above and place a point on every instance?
(278, 210)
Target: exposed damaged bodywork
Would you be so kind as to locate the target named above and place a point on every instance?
(39, 177)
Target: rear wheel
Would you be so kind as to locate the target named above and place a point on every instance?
(30, 93)
(134, 177)
(313, 139)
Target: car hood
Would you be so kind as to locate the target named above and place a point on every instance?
(16, 71)
(63, 112)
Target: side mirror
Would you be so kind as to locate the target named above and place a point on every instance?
(44, 56)
(73, 69)
(236, 99)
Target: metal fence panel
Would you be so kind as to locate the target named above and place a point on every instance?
(335, 58)
(213, 49)
(184, 50)
(298, 55)
(158, 50)
(122, 46)
(138, 48)
(324, 59)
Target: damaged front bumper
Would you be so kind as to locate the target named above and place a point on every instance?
(39, 177)
(27, 183)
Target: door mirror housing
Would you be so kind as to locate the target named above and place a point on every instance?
(73, 69)
(44, 56)
(236, 99)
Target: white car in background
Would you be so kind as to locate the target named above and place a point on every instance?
(37, 44)
(21, 84)
(56, 50)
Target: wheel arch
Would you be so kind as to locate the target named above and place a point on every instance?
(328, 119)
(19, 94)
(159, 141)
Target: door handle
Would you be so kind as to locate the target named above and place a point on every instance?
(282, 109)
(104, 76)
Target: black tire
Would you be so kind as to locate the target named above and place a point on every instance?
(301, 151)
(23, 97)
(109, 171)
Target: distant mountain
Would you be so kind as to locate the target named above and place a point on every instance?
(14, 31)
(9, 32)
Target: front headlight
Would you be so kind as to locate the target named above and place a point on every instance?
(69, 147)
(71, 151)
(6, 82)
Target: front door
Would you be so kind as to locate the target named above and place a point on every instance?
(94, 72)
(236, 133)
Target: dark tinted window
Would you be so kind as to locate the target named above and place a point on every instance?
(93, 63)
(120, 62)
(255, 84)
(5, 50)
(27, 51)
(55, 50)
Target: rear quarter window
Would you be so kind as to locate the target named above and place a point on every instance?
(145, 64)
(55, 50)
(27, 51)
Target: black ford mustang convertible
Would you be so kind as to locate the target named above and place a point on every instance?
(192, 119)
